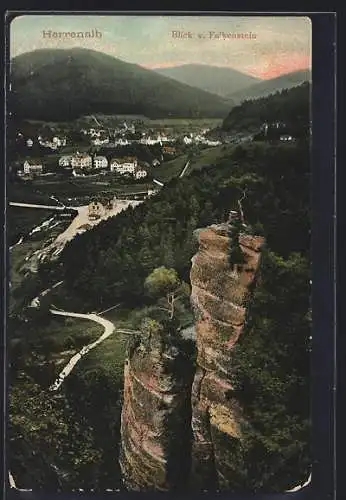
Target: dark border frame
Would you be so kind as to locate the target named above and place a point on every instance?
(323, 256)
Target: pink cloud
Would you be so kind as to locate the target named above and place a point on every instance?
(279, 64)
(272, 67)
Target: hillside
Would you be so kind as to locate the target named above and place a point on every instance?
(218, 80)
(59, 85)
(290, 107)
(266, 87)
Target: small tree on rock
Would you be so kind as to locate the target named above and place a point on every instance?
(236, 255)
(165, 283)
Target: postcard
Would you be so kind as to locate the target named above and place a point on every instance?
(158, 226)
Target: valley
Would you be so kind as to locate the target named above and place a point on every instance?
(159, 284)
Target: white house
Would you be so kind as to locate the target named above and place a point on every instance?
(149, 141)
(187, 140)
(50, 143)
(32, 167)
(140, 174)
(29, 143)
(81, 160)
(125, 165)
(99, 142)
(65, 161)
(155, 162)
(286, 138)
(94, 133)
(199, 138)
(95, 210)
(163, 138)
(212, 143)
(152, 192)
(121, 142)
(100, 162)
(59, 141)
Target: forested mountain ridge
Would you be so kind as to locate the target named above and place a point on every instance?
(63, 84)
(291, 107)
(267, 87)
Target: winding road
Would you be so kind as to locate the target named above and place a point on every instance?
(108, 330)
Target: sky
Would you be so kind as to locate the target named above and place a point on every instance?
(278, 45)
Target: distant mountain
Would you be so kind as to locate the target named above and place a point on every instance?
(218, 80)
(63, 84)
(266, 87)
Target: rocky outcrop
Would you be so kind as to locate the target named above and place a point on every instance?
(220, 294)
(156, 414)
(180, 424)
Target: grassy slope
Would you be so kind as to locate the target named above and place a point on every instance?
(205, 157)
(110, 356)
(65, 336)
(115, 120)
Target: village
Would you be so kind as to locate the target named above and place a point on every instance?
(129, 152)
(124, 151)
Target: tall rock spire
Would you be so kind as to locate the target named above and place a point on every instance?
(156, 413)
(220, 294)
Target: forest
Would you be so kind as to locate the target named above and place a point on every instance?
(289, 106)
(121, 252)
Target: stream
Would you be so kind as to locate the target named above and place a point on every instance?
(45, 225)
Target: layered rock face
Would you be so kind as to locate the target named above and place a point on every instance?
(155, 430)
(182, 425)
(220, 294)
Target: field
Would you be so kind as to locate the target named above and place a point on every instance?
(171, 169)
(56, 340)
(115, 120)
(209, 156)
(71, 190)
(188, 124)
(110, 354)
